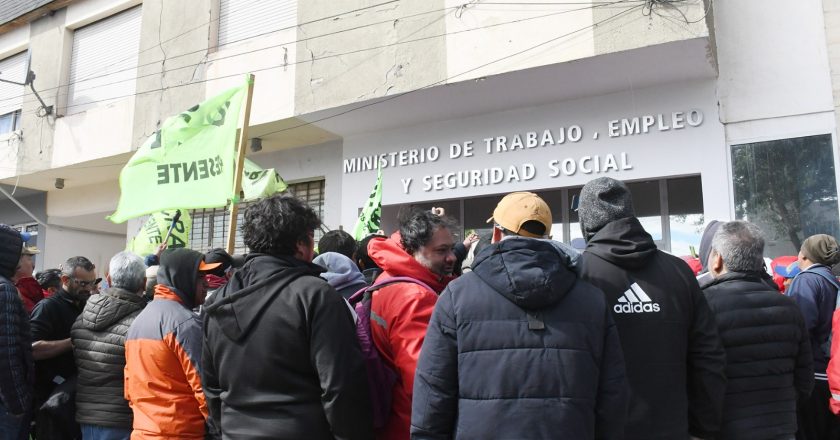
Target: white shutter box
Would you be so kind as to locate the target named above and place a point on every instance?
(12, 68)
(103, 64)
(243, 19)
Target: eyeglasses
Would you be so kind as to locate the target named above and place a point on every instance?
(83, 283)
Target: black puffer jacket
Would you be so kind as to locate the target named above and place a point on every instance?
(768, 356)
(520, 348)
(281, 358)
(674, 357)
(99, 347)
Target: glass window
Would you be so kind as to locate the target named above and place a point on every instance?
(647, 207)
(391, 213)
(9, 122)
(787, 187)
(685, 214)
(209, 228)
(574, 220)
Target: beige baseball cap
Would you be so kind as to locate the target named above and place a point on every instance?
(519, 207)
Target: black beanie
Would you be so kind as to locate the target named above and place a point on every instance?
(602, 201)
(11, 245)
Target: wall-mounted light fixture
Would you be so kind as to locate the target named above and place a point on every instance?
(59, 183)
(256, 144)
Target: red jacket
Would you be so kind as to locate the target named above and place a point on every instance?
(30, 293)
(833, 369)
(405, 310)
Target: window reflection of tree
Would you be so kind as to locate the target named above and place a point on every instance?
(787, 186)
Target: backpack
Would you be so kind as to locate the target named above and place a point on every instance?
(381, 377)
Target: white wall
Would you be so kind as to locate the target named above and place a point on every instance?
(62, 243)
(274, 87)
(14, 41)
(77, 225)
(773, 59)
(690, 150)
(101, 131)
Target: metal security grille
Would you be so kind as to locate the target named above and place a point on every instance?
(313, 194)
(209, 229)
(103, 64)
(243, 19)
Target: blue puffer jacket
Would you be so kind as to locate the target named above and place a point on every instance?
(520, 348)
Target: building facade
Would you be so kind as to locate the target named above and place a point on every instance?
(709, 110)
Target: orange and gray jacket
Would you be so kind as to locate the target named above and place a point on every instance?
(162, 379)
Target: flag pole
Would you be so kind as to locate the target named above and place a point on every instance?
(240, 163)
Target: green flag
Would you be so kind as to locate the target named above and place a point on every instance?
(257, 182)
(154, 230)
(371, 214)
(187, 164)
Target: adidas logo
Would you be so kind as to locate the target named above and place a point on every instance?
(635, 300)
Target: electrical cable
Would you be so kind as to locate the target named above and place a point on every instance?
(439, 82)
(310, 60)
(446, 80)
(290, 43)
(157, 46)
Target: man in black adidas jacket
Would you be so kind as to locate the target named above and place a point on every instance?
(674, 358)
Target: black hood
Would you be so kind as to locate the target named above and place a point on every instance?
(179, 271)
(11, 245)
(706, 243)
(239, 304)
(531, 273)
(624, 243)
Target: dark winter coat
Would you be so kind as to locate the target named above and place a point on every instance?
(281, 359)
(99, 347)
(17, 370)
(768, 356)
(674, 357)
(520, 348)
(51, 320)
(816, 297)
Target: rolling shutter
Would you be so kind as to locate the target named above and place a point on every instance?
(243, 19)
(103, 64)
(12, 68)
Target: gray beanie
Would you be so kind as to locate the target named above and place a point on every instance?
(602, 201)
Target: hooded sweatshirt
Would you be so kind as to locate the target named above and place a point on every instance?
(520, 348)
(99, 348)
(401, 313)
(281, 358)
(342, 273)
(674, 357)
(163, 355)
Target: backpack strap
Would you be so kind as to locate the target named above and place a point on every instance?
(359, 295)
(831, 280)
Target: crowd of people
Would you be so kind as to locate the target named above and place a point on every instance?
(419, 335)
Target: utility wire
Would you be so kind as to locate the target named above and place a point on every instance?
(446, 80)
(186, 66)
(439, 82)
(309, 60)
(160, 43)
